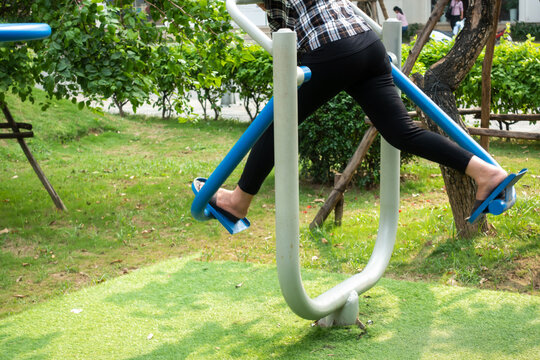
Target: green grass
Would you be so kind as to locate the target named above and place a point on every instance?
(186, 309)
(126, 182)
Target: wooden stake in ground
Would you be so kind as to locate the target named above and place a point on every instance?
(339, 189)
(486, 77)
(383, 9)
(15, 128)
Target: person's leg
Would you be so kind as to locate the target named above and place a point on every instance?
(453, 20)
(323, 85)
(382, 104)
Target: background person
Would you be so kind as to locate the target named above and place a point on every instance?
(401, 17)
(456, 13)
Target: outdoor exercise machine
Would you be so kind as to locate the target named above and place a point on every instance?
(26, 32)
(339, 305)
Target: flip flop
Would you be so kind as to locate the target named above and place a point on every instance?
(198, 184)
(213, 203)
(230, 222)
(478, 203)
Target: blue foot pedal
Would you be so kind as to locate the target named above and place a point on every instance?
(232, 226)
(495, 203)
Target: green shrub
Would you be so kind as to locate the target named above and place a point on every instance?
(515, 79)
(515, 75)
(411, 32)
(253, 77)
(520, 30)
(170, 78)
(329, 138)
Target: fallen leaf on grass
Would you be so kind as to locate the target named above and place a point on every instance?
(4, 231)
(116, 261)
(19, 296)
(19, 279)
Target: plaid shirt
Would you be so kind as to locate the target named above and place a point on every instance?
(316, 22)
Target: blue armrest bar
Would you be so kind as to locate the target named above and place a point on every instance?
(24, 32)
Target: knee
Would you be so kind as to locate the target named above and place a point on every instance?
(402, 138)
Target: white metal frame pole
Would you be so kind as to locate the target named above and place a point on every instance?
(286, 168)
(340, 302)
(287, 194)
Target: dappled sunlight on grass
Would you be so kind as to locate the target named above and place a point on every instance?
(185, 308)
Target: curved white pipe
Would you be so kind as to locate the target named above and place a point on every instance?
(287, 196)
(287, 192)
(249, 27)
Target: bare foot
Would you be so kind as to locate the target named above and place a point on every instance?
(486, 176)
(236, 202)
(488, 182)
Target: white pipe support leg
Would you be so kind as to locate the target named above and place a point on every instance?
(332, 302)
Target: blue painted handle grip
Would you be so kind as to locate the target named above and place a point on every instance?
(24, 32)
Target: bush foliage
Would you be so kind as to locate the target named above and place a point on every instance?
(112, 52)
(329, 138)
(515, 75)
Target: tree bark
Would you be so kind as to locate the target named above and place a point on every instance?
(439, 83)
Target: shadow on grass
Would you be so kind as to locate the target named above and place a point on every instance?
(235, 311)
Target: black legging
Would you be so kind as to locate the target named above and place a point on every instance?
(366, 76)
(453, 20)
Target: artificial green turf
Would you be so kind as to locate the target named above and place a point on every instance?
(186, 309)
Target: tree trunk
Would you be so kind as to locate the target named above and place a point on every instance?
(120, 105)
(439, 82)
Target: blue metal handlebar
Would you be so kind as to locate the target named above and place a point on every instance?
(231, 161)
(439, 116)
(24, 32)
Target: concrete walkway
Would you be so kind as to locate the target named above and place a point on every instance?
(237, 111)
(234, 111)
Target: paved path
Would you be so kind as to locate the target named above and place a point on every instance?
(238, 112)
